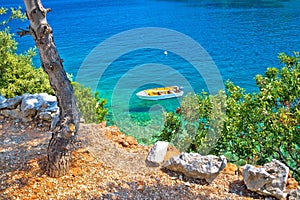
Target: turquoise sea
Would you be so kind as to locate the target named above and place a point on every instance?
(241, 38)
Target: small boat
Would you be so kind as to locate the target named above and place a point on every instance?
(160, 93)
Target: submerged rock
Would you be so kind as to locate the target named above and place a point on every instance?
(195, 165)
(269, 180)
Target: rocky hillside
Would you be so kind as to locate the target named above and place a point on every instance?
(107, 164)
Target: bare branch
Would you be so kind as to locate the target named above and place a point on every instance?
(48, 10)
(282, 159)
(290, 152)
(23, 32)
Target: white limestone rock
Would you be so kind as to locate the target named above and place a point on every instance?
(269, 180)
(294, 195)
(2, 99)
(14, 114)
(34, 104)
(11, 103)
(195, 165)
(157, 154)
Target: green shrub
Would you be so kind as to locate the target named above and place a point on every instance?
(17, 76)
(171, 127)
(90, 106)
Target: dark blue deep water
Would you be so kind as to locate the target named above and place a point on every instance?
(242, 37)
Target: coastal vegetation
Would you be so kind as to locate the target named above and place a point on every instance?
(257, 127)
(17, 76)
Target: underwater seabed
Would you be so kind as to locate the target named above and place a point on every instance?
(142, 119)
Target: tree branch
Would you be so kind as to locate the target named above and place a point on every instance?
(23, 32)
(291, 155)
(284, 162)
(48, 10)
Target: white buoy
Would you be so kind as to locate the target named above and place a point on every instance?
(166, 53)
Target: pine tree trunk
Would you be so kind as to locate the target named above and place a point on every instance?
(63, 135)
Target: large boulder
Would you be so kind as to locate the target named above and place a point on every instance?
(195, 165)
(30, 104)
(269, 180)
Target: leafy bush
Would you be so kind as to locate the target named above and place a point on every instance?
(266, 125)
(90, 106)
(257, 127)
(171, 127)
(17, 76)
(198, 123)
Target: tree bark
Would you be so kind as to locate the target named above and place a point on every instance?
(59, 153)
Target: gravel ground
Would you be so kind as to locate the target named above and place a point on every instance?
(105, 165)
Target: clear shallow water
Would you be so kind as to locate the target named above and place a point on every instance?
(242, 37)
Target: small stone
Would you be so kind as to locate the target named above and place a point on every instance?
(140, 187)
(126, 186)
(294, 195)
(120, 141)
(230, 169)
(114, 197)
(180, 177)
(131, 140)
(125, 144)
(291, 184)
(102, 124)
(187, 184)
(45, 116)
(81, 120)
